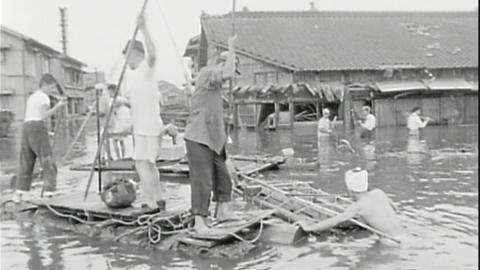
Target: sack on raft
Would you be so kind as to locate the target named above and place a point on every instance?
(119, 193)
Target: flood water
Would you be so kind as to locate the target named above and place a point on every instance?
(434, 184)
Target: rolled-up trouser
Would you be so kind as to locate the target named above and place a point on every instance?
(208, 173)
(35, 144)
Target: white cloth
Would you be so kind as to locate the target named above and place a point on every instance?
(38, 104)
(122, 119)
(144, 96)
(414, 123)
(370, 122)
(324, 126)
(357, 180)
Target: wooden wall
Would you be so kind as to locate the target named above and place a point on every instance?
(454, 108)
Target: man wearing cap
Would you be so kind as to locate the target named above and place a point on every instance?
(372, 206)
(144, 102)
(205, 139)
(34, 142)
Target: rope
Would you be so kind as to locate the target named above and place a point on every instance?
(255, 239)
(68, 216)
(179, 57)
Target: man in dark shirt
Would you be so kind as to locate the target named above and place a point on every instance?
(205, 139)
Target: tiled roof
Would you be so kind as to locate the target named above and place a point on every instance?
(352, 40)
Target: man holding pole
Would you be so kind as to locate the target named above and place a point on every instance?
(205, 139)
(144, 101)
(35, 141)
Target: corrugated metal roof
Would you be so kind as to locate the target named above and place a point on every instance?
(352, 40)
(449, 84)
(328, 92)
(399, 86)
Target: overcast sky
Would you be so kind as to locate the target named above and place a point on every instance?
(99, 29)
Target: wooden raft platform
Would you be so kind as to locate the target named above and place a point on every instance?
(225, 231)
(247, 165)
(93, 207)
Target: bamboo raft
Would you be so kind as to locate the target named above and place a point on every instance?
(291, 201)
(244, 164)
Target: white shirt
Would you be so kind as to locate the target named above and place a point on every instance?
(144, 99)
(324, 126)
(37, 104)
(370, 122)
(121, 118)
(414, 123)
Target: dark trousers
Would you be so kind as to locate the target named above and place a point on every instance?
(35, 144)
(208, 173)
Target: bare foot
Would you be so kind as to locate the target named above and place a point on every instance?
(201, 226)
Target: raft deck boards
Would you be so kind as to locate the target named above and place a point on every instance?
(245, 164)
(94, 207)
(224, 231)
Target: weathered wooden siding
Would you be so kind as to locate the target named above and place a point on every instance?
(453, 108)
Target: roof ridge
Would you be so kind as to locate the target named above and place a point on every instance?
(327, 13)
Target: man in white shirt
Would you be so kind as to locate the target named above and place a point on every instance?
(415, 123)
(35, 141)
(368, 124)
(121, 122)
(144, 101)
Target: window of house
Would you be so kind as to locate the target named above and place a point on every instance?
(260, 78)
(46, 65)
(69, 76)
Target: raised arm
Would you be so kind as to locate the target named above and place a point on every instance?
(151, 51)
(229, 67)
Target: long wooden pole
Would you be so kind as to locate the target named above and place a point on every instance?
(232, 80)
(110, 110)
(77, 136)
(324, 209)
(99, 159)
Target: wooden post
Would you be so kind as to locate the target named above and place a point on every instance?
(347, 121)
(277, 111)
(235, 116)
(317, 106)
(291, 110)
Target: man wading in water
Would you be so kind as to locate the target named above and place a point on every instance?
(205, 139)
(372, 206)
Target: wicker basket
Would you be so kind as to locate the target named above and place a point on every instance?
(172, 152)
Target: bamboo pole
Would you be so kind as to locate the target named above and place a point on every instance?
(330, 212)
(109, 114)
(77, 136)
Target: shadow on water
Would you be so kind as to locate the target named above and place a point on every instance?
(433, 179)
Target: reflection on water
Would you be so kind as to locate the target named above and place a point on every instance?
(435, 190)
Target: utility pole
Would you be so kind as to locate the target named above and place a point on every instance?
(63, 30)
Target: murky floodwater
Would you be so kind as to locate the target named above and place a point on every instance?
(434, 183)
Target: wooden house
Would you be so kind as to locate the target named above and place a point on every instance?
(342, 60)
(23, 61)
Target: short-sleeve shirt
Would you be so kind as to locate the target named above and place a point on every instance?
(370, 122)
(414, 123)
(144, 99)
(121, 118)
(37, 104)
(206, 124)
(324, 126)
